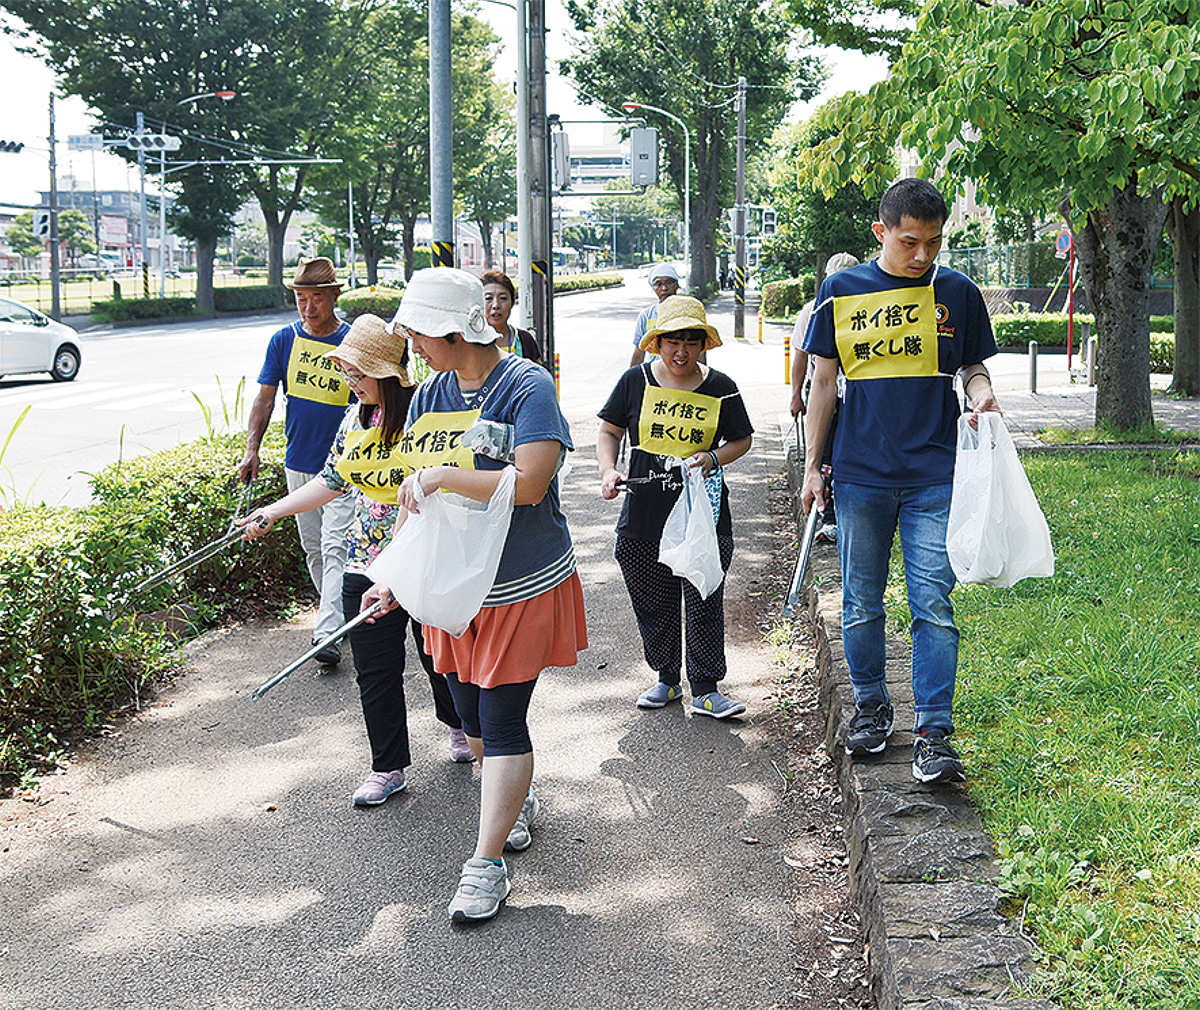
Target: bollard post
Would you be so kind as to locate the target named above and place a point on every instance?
(787, 360)
(1091, 361)
(557, 389)
(1033, 349)
(760, 326)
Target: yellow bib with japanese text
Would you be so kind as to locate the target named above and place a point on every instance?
(887, 334)
(435, 439)
(371, 465)
(676, 422)
(312, 376)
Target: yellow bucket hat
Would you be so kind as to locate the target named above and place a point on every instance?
(680, 312)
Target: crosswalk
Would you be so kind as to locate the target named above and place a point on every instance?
(115, 396)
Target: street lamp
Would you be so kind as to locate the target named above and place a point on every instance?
(687, 175)
(225, 96)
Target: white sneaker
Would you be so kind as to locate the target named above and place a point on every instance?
(519, 838)
(481, 888)
(378, 787)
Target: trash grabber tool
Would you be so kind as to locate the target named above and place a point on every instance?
(810, 531)
(295, 665)
(231, 535)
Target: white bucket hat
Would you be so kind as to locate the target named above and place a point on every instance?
(438, 301)
(662, 270)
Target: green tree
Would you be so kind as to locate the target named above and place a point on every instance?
(869, 26)
(486, 172)
(640, 221)
(1183, 225)
(75, 232)
(1099, 101)
(686, 56)
(21, 237)
(811, 227)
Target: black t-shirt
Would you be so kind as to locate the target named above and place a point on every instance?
(654, 414)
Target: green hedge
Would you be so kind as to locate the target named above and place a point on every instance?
(1049, 329)
(783, 299)
(586, 282)
(258, 296)
(1162, 353)
(378, 299)
(120, 310)
(70, 648)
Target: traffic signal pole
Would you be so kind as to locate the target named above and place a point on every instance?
(55, 271)
(441, 172)
(739, 215)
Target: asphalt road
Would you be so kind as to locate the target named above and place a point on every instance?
(207, 855)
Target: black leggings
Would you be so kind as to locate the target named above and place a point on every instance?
(379, 665)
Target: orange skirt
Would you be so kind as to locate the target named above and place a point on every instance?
(513, 643)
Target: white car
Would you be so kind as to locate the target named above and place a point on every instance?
(32, 342)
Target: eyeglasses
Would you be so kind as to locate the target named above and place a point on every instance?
(353, 379)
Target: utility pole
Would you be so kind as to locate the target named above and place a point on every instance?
(441, 173)
(739, 219)
(55, 273)
(524, 257)
(542, 278)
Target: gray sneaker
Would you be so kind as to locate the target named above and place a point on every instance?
(378, 787)
(519, 838)
(481, 888)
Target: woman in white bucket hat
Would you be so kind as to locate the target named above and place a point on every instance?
(533, 617)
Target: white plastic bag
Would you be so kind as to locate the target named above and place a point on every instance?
(443, 562)
(997, 534)
(689, 539)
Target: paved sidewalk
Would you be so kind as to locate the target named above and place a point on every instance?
(207, 856)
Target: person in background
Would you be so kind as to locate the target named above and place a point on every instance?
(499, 297)
(315, 399)
(898, 329)
(716, 432)
(362, 468)
(801, 371)
(533, 617)
(665, 280)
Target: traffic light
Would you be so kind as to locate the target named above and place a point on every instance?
(11, 146)
(768, 221)
(152, 142)
(41, 223)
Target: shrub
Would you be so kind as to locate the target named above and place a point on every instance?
(1162, 353)
(783, 299)
(70, 648)
(378, 299)
(1049, 329)
(256, 296)
(422, 257)
(586, 282)
(124, 309)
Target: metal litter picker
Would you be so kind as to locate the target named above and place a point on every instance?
(295, 665)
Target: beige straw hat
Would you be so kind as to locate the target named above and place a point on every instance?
(679, 312)
(314, 273)
(373, 349)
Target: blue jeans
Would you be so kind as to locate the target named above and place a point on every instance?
(868, 518)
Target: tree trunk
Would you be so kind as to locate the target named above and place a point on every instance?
(485, 235)
(1116, 251)
(408, 226)
(206, 251)
(1184, 229)
(275, 233)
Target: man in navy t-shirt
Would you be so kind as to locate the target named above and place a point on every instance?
(316, 396)
(899, 329)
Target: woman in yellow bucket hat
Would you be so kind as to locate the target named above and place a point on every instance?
(675, 407)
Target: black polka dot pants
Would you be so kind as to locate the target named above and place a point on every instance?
(655, 591)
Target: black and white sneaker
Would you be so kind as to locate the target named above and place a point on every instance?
(934, 760)
(869, 729)
(331, 655)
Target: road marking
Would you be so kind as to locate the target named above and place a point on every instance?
(126, 403)
(48, 393)
(123, 393)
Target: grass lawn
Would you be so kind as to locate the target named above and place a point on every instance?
(78, 292)
(1078, 710)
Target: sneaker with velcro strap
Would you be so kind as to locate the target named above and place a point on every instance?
(660, 695)
(716, 705)
(482, 888)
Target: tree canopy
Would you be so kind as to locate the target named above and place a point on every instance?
(1097, 102)
(686, 56)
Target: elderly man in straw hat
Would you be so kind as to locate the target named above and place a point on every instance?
(315, 398)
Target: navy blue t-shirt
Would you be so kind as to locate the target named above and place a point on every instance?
(899, 342)
(314, 392)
